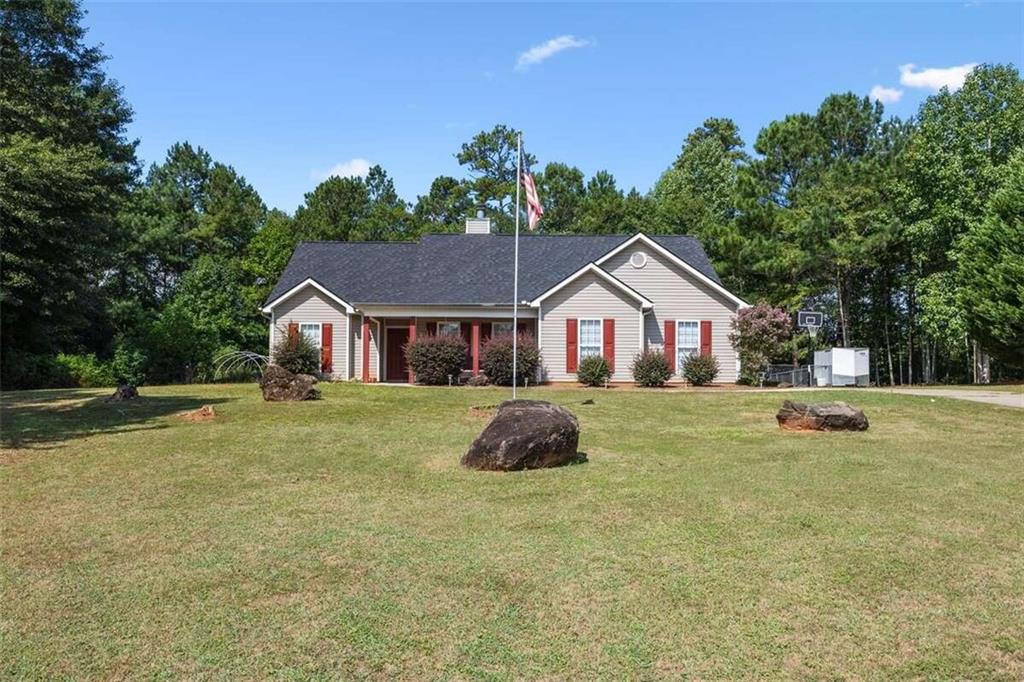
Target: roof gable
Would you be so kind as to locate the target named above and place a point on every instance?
(601, 274)
(641, 238)
(309, 282)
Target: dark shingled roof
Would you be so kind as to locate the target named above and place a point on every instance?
(453, 269)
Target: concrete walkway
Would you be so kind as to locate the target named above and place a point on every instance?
(1004, 398)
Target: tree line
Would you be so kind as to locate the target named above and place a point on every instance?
(908, 234)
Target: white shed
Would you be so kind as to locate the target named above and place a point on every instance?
(842, 367)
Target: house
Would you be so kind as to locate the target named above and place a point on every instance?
(580, 295)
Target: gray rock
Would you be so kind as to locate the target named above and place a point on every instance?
(279, 384)
(526, 434)
(836, 416)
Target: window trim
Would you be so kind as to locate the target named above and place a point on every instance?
(679, 346)
(579, 337)
(511, 327)
(319, 332)
(457, 325)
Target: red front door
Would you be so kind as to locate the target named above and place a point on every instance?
(397, 369)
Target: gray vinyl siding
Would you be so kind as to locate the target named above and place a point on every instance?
(309, 305)
(589, 297)
(678, 295)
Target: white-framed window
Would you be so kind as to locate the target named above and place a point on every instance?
(591, 337)
(311, 330)
(687, 340)
(501, 329)
(448, 329)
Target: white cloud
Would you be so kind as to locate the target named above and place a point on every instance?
(353, 168)
(935, 79)
(885, 95)
(538, 53)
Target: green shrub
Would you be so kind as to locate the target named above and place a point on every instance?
(496, 359)
(436, 359)
(700, 369)
(22, 370)
(179, 348)
(593, 371)
(86, 371)
(298, 355)
(650, 368)
(129, 365)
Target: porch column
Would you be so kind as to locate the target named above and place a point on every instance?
(366, 350)
(412, 338)
(475, 346)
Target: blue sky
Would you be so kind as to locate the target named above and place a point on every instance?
(287, 92)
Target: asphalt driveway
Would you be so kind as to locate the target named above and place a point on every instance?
(1005, 398)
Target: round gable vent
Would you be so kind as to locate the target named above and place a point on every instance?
(638, 259)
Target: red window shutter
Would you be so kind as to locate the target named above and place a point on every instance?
(432, 328)
(609, 343)
(485, 331)
(705, 337)
(293, 334)
(670, 344)
(326, 350)
(571, 345)
(521, 328)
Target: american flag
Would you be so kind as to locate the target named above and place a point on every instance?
(534, 209)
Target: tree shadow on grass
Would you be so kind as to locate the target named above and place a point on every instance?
(42, 419)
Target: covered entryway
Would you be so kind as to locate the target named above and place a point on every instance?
(384, 338)
(394, 354)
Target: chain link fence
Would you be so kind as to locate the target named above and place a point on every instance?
(788, 374)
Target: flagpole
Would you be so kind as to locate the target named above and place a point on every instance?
(515, 269)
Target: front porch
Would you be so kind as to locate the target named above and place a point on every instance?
(384, 337)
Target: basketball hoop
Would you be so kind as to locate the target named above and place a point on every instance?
(811, 321)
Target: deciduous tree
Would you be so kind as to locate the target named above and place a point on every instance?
(990, 270)
(759, 335)
(266, 256)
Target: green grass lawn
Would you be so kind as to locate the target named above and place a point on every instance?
(340, 538)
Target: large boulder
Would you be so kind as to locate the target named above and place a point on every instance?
(280, 384)
(837, 416)
(526, 434)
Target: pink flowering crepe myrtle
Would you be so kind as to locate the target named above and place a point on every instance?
(759, 333)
